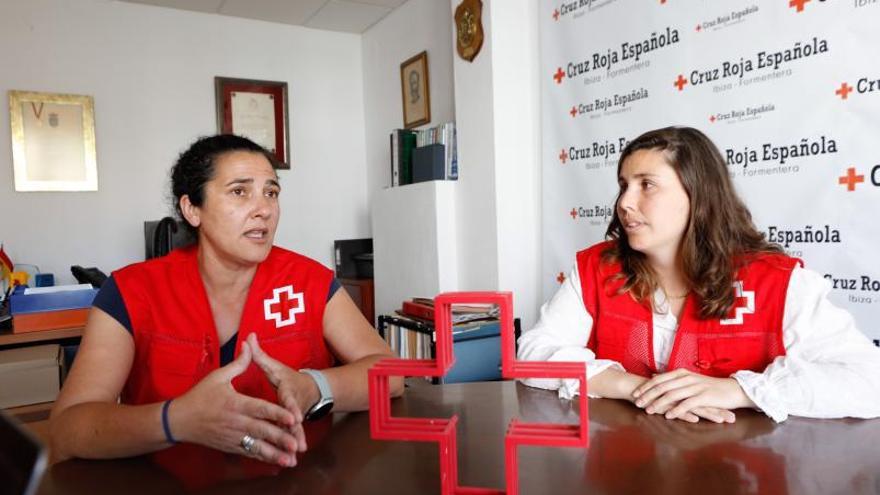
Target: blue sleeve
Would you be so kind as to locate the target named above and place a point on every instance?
(109, 300)
(334, 286)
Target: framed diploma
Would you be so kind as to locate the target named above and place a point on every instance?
(415, 92)
(53, 141)
(256, 110)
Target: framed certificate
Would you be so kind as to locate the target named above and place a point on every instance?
(53, 141)
(256, 110)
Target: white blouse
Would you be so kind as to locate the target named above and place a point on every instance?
(830, 369)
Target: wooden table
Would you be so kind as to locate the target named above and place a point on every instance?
(630, 452)
(9, 339)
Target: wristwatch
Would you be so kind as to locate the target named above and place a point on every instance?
(325, 402)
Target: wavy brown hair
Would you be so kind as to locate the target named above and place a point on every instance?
(720, 235)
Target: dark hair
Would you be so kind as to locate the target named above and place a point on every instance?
(720, 235)
(195, 167)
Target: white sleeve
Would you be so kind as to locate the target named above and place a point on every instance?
(561, 334)
(830, 370)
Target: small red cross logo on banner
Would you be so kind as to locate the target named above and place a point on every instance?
(844, 90)
(573, 111)
(712, 119)
(744, 304)
(555, 14)
(698, 28)
(573, 213)
(286, 312)
(560, 278)
(442, 431)
(680, 82)
(563, 155)
(798, 4)
(559, 75)
(851, 179)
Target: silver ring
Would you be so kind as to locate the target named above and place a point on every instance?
(247, 443)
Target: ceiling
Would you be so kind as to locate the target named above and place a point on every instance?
(350, 16)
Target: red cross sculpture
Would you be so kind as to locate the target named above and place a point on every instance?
(383, 426)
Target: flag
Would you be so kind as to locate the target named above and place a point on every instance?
(5, 263)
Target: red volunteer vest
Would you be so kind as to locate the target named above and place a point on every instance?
(175, 339)
(748, 339)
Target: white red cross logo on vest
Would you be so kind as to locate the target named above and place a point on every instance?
(283, 300)
(742, 296)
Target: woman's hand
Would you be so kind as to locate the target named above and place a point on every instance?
(682, 394)
(296, 391)
(213, 414)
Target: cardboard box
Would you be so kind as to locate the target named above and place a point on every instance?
(29, 375)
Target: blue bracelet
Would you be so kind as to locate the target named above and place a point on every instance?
(165, 426)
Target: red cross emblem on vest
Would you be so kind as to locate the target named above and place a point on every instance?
(281, 308)
(744, 304)
(384, 426)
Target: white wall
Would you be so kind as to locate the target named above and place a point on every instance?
(151, 71)
(415, 26)
(517, 142)
(497, 103)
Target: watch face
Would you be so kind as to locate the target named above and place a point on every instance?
(319, 410)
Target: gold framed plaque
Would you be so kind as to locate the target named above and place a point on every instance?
(53, 141)
(469, 28)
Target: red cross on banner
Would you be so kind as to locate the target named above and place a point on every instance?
(798, 4)
(851, 179)
(680, 82)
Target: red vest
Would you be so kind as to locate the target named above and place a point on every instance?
(175, 339)
(748, 339)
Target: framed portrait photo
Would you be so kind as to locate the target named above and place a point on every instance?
(415, 91)
(256, 110)
(53, 141)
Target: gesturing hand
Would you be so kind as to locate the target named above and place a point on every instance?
(212, 413)
(681, 392)
(296, 391)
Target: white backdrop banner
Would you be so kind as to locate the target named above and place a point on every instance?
(789, 90)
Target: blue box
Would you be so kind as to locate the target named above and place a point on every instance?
(21, 303)
(477, 354)
(429, 163)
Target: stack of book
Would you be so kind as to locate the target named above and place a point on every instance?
(410, 332)
(50, 308)
(403, 142)
(422, 308)
(477, 346)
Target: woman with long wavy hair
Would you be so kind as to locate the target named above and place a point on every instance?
(687, 311)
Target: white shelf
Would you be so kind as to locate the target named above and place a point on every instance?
(414, 243)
